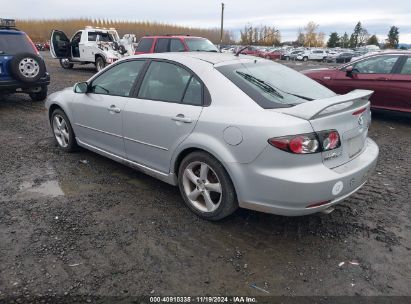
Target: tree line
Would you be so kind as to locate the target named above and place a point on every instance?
(39, 30)
(361, 37)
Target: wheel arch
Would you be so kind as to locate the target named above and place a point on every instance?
(190, 149)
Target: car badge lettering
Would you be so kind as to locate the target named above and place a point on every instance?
(361, 120)
(332, 155)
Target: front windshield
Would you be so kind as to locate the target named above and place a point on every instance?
(273, 85)
(200, 45)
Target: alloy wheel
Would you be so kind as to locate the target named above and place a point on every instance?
(61, 132)
(202, 186)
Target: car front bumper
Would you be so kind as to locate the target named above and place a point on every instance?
(290, 190)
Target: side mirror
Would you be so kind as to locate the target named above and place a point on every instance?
(81, 87)
(349, 71)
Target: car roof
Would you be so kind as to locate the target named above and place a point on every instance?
(11, 31)
(209, 57)
(172, 36)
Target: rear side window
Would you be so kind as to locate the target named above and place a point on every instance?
(164, 82)
(194, 92)
(161, 45)
(15, 43)
(406, 69)
(145, 45)
(176, 46)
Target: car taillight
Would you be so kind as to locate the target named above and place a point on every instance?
(329, 140)
(298, 144)
(307, 143)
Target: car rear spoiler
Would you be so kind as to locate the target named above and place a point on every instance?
(320, 107)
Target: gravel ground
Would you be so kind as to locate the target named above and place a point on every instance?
(98, 228)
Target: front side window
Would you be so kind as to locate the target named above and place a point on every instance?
(376, 65)
(145, 45)
(161, 45)
(164, 81)
(176, 46)
(77, 37)
(406, 69)
(273, 85)
(200, 45)
(119, 80)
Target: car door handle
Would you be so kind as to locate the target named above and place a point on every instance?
(182, 118)
(114, 109)
(381, 78)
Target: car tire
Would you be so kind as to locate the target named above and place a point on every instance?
(66, 64)
(64, 135)
(27, 67)
(305, 58)
(192, 183)
(39, 96)
(100, 63)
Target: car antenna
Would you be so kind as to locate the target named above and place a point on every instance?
(242, 49)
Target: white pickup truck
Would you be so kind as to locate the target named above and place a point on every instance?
(98, 46)
(315, 54)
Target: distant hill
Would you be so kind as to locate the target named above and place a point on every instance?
(408, 46)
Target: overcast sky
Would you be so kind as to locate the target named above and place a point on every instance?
(287, 15)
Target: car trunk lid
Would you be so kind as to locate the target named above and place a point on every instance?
(349, 114)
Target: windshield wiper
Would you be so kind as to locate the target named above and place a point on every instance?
(299, 96)
(272, 90)
(260, 83)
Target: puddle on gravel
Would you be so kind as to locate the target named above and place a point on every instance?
(49, 188)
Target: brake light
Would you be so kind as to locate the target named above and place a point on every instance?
(298, 144)
(330, 140)
(32, 45)
(307, 143)
(359, 111)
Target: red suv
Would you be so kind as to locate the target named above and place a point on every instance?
(170, 43)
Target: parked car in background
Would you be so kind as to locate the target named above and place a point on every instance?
(331, 55)
(22, 70)
(291, 55)
(387, 74)
(229, 131)
(174, 43)
(271, 54)
(250, 50)
(344, 57)
(98, 46)
(315, 54)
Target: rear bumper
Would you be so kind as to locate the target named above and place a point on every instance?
(15, 85)
(289, 190)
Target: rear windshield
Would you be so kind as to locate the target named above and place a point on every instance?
(273, 85)
(104, 37)
(144, 45)
(15, 43)
(200, 45)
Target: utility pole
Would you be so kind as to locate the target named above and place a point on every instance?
(222, 24)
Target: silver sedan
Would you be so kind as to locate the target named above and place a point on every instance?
(229, 131)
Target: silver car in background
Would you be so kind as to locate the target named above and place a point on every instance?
(230, 131)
